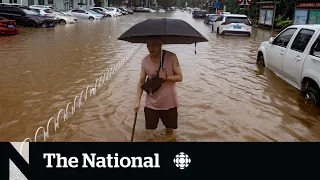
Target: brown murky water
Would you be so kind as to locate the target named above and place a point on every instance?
(224, 96)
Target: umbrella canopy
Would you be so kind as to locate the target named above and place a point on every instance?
(170, 31)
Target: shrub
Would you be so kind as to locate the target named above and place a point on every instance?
(284, 24)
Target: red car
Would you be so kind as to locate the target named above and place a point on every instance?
(8, 27)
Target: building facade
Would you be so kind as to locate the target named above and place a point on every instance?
(61, 4)
(307, 12)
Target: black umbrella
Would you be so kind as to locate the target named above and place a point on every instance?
(169, 31)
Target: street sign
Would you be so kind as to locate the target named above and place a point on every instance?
(216, 5)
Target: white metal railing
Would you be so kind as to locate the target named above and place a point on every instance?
(72, 106)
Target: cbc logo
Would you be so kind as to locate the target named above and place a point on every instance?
(182, 160)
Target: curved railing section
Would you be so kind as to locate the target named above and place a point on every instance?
(71, 107)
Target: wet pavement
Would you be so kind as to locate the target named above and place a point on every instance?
(223, 97)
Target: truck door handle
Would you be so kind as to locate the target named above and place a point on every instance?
(298, 58)
(282, 52)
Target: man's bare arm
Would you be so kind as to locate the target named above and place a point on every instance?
(177, 77)
(142, 79)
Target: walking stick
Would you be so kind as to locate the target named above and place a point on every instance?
(134, 126)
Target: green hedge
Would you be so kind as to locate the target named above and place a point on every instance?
(284, 24)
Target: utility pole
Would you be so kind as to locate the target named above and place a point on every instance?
(274, 16)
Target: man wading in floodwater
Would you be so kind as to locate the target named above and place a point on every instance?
(163, 104)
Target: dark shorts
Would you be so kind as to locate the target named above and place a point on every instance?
(169, 118)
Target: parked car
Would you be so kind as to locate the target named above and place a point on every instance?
(108, 12)
(294, 55)
(129, 11)
(162, 10)
(100, 12)
(233, 24)
(199, 14)
(46, 12)
(41, 7)
(64, 18)
(114, 10)
(122, 11)
(8, 27)
(150, 10)
(85, 14)
(210, 18)
(25, 16)
(97, 13)
(195, 9)
(140, 9)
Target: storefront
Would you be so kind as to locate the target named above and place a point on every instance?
(307, 12)
(267, 13)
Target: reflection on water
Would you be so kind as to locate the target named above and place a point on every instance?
(224, 96)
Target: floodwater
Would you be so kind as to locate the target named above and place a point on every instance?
(224, 96)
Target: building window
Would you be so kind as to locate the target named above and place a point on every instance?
(0, 1)
(50, 1)
(15, 1)
(10, 1)
(41, 2)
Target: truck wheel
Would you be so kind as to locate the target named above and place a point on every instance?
(313, 95)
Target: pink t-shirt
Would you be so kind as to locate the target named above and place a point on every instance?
(166, 97)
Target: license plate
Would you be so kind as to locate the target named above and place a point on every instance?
(10, 26)
(51, 24)
(236, 27)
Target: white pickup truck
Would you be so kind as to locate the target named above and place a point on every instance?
(294, 56)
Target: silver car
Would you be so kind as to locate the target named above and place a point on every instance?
(85, 14)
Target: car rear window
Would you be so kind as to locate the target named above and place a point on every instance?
(47, 11)
(237, 20)
(213, 17)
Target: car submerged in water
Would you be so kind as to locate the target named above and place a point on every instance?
(85, 14)
(199, 14)
(236, 24)
(8, 27)
(210, 18)
(24, 16)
